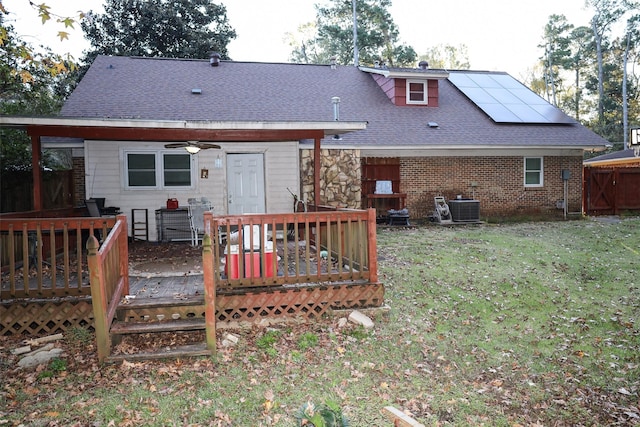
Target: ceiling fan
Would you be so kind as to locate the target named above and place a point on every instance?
(192, 146)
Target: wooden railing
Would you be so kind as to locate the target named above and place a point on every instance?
(267, 250)
(109, 277)
(293, 248)
(45, 257)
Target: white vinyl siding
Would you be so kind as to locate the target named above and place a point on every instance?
(106, 176)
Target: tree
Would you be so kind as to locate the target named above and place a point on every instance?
(632, 40)
(31, 83)
(607, 12)
(162, 28)
(305, 48)
(377, 35)
(581, 44)
(556, 57)
(604, 90)
(447, 56)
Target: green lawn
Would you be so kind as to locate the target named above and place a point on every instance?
(496, 325)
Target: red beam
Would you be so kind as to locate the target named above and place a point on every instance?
(172, 134)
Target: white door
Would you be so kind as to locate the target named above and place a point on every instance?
(245, 177)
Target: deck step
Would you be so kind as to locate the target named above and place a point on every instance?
(192, 350)
(124, 328)
(144, 303)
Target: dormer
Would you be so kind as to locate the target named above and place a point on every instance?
(409, 86)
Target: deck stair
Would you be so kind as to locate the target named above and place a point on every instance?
(157, 315)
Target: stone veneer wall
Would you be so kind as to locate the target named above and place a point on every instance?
(340, 177)
(498, 184)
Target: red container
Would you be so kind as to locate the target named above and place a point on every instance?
(252, 263)
(172, 203)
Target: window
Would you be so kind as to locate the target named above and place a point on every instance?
(141, 170)
(416, 92)
(177, 170)
(533, 172)
(158, 170)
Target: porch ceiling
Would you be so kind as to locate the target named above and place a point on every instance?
(178, 130)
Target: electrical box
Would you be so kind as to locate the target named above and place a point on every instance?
(566, 174)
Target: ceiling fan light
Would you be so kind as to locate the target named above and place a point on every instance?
(192, 149)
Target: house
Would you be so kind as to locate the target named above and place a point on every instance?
(480, 135)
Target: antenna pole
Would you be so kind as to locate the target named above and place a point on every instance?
(355, 35)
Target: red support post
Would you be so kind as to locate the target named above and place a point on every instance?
(316, 172)
(36, 168)
(99, 299)
(209, 284)
(372, 246)
(123, 250)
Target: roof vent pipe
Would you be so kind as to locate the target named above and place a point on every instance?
(214, 59)
(334, 62)
(336, 108)
(423, 65)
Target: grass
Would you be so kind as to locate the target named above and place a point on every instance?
(496, 325)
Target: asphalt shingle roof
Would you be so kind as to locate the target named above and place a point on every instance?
(161, 89)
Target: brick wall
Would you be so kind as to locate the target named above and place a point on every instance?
(79, 191)
(496, 181)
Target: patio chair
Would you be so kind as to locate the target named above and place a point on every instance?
(196, 220)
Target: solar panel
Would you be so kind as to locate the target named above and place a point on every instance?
(505, 99)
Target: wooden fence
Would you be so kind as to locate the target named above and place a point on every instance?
(611, 190)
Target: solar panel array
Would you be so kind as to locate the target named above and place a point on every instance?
(506, 100)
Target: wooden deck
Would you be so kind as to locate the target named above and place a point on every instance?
(176, 287)
(249, 269)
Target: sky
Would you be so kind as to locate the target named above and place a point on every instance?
(500, 35)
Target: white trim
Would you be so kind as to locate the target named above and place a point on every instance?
(159, 170)
(407, 74)
(425, 92)
(330, 128)
(454, 151)
(540, 172)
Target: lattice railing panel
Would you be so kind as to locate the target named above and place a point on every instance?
(45, 317)
(308, 302)
(311, 302)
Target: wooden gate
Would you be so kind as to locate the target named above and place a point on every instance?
(611, 191)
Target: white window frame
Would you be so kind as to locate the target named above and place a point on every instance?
(425, 92)
(540, 172)
(159, 170)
